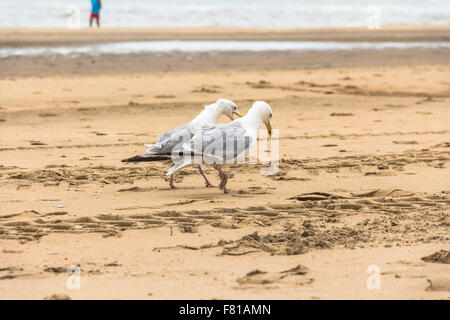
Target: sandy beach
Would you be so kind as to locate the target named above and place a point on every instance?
(363, 179)
(53, 36)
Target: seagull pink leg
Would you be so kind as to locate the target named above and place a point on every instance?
(223, 179)
(171, 182)
(207, 183)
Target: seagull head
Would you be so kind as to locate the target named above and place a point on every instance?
(264, 111)
(228, 108)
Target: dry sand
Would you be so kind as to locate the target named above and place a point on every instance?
(363, 181)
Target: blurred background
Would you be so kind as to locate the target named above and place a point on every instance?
(231, 13)
(360, 94)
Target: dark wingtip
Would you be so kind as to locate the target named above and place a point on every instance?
(147, 158)
(132, 159)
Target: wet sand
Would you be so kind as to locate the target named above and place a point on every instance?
(18, 37)
(225, 62)
(363, 181)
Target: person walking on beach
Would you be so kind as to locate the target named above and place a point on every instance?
(95, 12)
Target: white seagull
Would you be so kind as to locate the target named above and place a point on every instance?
(217, 145)
(173, 139)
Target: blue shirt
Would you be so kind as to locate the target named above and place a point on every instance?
(95, 6)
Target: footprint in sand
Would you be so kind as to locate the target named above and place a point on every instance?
(56, 269)
(47, 115)
(341, 114)
(205, 89)
(135, 189)
(442, 256)
(37, 143)
(405, 142)
(57, 297)
(439, 285)
(165, 96)
(263, 277)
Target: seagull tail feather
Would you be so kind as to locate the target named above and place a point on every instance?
(147, 158)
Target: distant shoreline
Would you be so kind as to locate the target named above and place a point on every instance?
(21, 37)
(139, 63)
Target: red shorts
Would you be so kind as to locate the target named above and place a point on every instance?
(95, 15)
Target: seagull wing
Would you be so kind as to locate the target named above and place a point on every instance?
(222, 142)
(170, 140)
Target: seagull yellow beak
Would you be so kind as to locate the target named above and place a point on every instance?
(269, 129)
(238, 114)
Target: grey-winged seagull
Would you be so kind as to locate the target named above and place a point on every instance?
(217, 145)
(173, 139)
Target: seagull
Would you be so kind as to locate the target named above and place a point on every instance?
(216, 145)
(173, 139)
